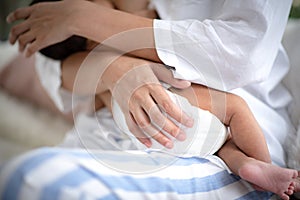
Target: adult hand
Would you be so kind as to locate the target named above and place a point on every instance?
(166, 75)
(141, 98)
(45, 24)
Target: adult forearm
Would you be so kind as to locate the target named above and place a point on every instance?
(120, 30)
(91, 73)
(49, 23)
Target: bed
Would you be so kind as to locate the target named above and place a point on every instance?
(93, 174)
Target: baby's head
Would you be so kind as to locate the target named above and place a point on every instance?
(62, 50)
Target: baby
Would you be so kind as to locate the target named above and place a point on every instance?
(245, 151)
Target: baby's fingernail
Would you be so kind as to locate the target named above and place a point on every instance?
(169, 145)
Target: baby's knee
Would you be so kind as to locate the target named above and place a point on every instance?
(235, 105)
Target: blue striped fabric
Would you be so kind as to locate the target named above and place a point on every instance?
(181, 186)
(74, 183)
(72, 179)
(14, 184)
(256, 195)
(109, 197)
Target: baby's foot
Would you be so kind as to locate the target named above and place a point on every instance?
(280, 181)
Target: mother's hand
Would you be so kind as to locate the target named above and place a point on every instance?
(45, 24)
(142, 99)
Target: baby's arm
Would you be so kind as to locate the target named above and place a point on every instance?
(234, 112)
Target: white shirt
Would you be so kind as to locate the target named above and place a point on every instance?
(230, 44)
(232, 41)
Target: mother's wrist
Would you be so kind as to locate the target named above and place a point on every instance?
(77, 19)
(123, 67)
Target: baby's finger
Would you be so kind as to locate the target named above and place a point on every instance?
(20, 13)
(163, 100)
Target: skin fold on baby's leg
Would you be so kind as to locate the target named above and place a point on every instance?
(246, 152)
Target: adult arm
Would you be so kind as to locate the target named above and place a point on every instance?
(49, 23)
(237, 46)
(133, 84)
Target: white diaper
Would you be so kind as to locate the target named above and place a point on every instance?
(205, 138)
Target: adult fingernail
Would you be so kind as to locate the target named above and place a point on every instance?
(147, 143)
(190, 123)
(185, 84)
(169, 145)
(181, 136)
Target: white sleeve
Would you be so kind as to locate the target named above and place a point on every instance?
(235, 48)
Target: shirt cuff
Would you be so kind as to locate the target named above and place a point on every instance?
(166, 52)
(166, 40)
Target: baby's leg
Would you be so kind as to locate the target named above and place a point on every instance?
(233, 112)
(264, 176)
